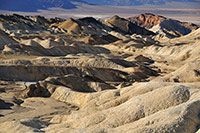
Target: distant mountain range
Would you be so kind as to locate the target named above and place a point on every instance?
(134, 2)
(34, 5)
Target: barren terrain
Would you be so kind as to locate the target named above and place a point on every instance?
(99, 76)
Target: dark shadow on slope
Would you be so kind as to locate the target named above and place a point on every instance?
(4, 105)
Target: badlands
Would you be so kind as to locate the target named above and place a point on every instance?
(118, 75)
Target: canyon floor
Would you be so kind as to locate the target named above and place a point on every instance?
(137, 75)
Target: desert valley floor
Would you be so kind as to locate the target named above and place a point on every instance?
(128, 75)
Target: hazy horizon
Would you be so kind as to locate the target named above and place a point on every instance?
(84, 10)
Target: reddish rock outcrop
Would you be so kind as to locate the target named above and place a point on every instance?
(149, 20)
(146, 20)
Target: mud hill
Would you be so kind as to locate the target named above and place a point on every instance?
(122, 25)
(162, 25)
(147, 20)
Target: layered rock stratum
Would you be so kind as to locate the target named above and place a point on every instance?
(98, 76)
(163, 26)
